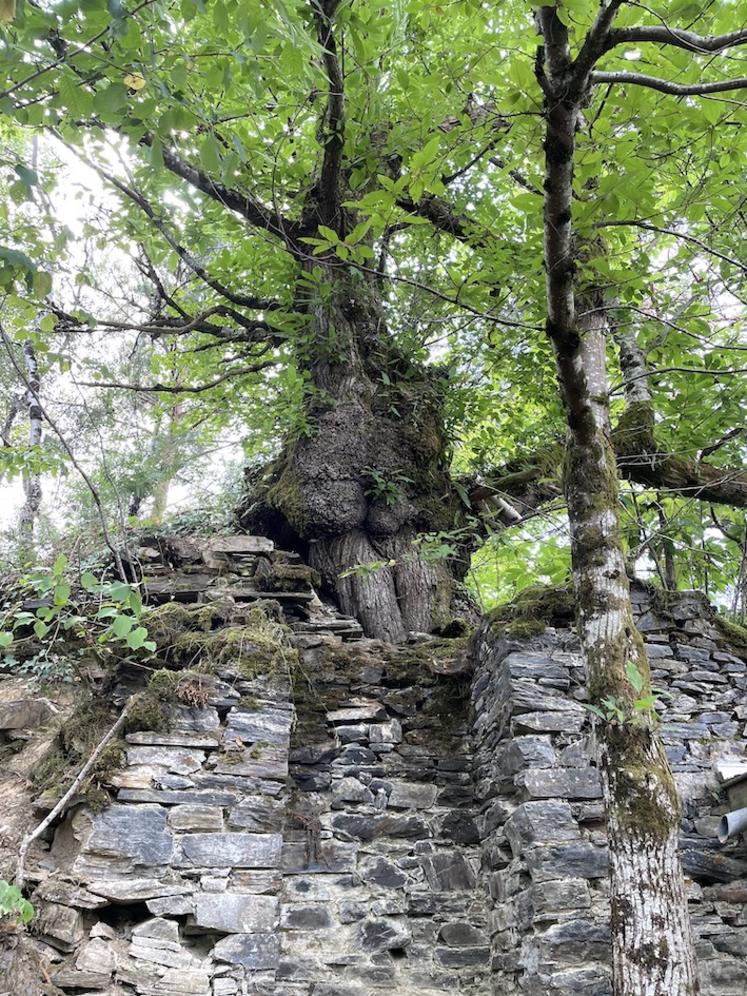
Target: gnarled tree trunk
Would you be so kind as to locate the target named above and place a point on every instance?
(370, 474)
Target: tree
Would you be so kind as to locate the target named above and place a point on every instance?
(328, 174)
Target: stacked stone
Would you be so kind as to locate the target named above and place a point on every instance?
(186, 861)
(544, 845)
(246, 569)
(217, 871)
(351, 827)
(381, 849)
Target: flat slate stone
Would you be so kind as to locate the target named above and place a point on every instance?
(231, 850)
(178, 797)
(179, 760)
(240, 544)
(231, 913)
(171, 739)
(133, 890)
(137, 832)
(268, 725)
(412, 795)
(568, 783)
(551, 722)
(25, 714)
(256, 952)
(196, 818)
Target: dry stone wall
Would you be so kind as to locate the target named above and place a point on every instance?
(544, 843)
(362, 818)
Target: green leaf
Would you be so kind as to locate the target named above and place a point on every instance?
(634, 676)
(6, 639)
(122, 626)
(136, 639)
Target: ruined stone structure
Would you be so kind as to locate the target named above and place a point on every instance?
(345, 817)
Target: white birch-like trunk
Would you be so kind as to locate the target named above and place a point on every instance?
(651, 932)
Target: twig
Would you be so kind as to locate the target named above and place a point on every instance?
(61, 805)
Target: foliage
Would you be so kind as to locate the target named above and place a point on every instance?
(636, 712)
(13, 907)
(46, 616)
(442, 106)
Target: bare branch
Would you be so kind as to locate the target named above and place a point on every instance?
(59, 808)
(243, 300)
(255, 213)
(66, 446)
(678, 235)
(664, 86)
(186, 389)
(664, 35)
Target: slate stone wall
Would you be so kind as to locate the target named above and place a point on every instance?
(424, 819)
(544, 842)
(314, 833)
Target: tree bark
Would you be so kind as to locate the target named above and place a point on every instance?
(651, 935)
(369, 473)
(32, 478)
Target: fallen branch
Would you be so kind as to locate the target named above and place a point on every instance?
(62, 804)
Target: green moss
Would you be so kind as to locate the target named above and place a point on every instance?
(288, 577)
(533, 609)
(735, 636)
(73, 745)
(644, 792)
(253, 644)
(150, 709)
(167, 622)
(634, 432)
(258, 646)
(285, 493)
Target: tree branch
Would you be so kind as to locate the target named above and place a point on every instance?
(664, 35)
(595, 42)
(664, 86)
(254, 212)
(534, 481)
(59, 809)
(187, 389)
(334, 117)
(678, 235)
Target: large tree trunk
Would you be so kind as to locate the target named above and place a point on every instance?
(652, 943)
(369, 475)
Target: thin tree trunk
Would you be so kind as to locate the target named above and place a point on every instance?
(32, 478)
(651, 933)
(169, 457)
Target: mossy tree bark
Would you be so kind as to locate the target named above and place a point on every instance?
(652, 941)
(369, 475)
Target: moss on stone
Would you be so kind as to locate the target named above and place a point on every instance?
(256, 646)
(167, 622)
(73, 745)
(735, 636)
(533, 609)
(150, 709)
